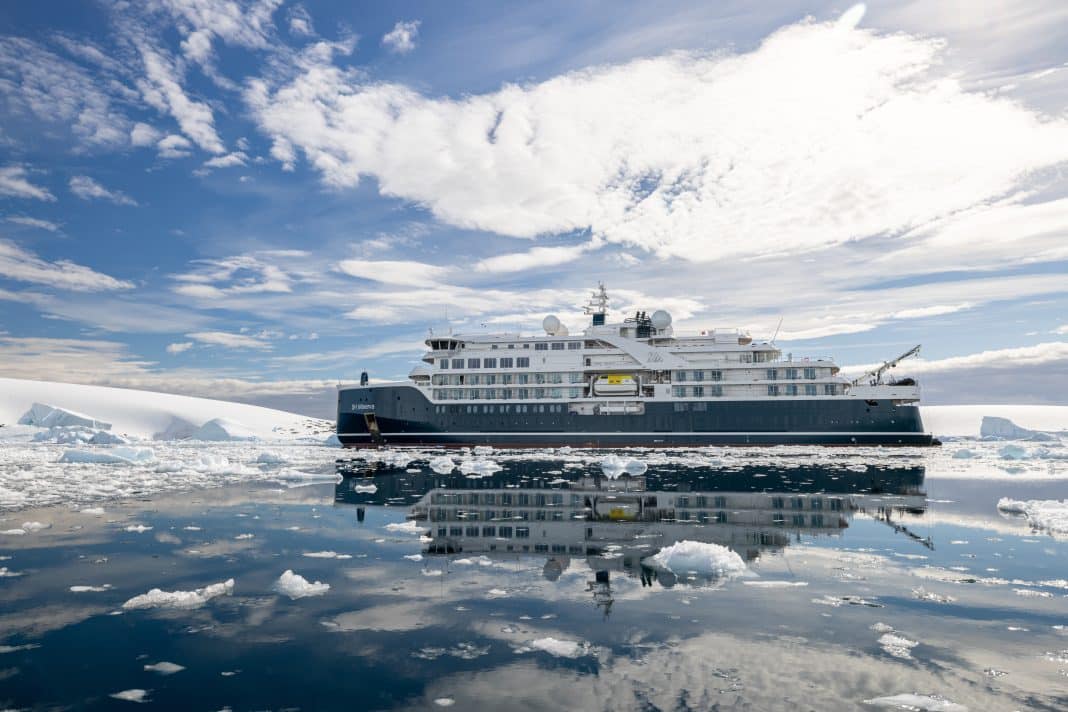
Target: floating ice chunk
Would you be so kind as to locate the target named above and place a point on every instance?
(103, 437)
(90, 589)
(442, 465)
(296, 586)
(157, 598)
(366, 489)
(699, 557)
(560, 648)
(114, 456)
(444, 702)
(432, 572)
(332, 441)
(614, 466)
(881, 627)
(13, 532)
(135, 695)
(241, 537)
(775, 584)
(964, 454)
(5, 572)
(50, 416)
(164, 668)
(138, 528)
(414, 557)
(480, 561)
(1048, 514)
(496, 593)
(479, 468)
(910, 701)
(35, 526)
(1032, 593)
(94, 511)
(223, 430)
(408, 527)
(1012, 452)
(4, 649)
(271, 458)
(922, 594)
(897, 645)
(210, 464)
(326, 555)
(483, 449)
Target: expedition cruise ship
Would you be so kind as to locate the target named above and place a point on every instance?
(627, 384)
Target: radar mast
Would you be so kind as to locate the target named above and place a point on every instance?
(597, 306)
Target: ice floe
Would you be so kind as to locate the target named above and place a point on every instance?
(158, 598)
(164, 668)
(407, 527)
(760, 583)
(897, 645)
(614, 466)
(326, 555)
(479, 468)
(90, 589)
(138, 528)
(444, 701)
(5, 572)
(114, 456)
(296, 586)
(442, 465)
(134, 695)
(1049, 515)
(560, 648)
(696, 557)
(916, 703)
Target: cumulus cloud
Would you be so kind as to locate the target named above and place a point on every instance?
(143, 135)
(401, 39)
(174, 146)
(88, 189)
(15, 183)
(686, 154)
(394, 271)
(23, 266)
(228, 340)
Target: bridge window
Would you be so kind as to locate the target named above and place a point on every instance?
(473, 362)
(558, 346)
(772, 374)
(490, 362)
(810, 373)
(443, 362)
(541, 346)
(574, 345)
(523, 362)
(457, 363)
(506, 362)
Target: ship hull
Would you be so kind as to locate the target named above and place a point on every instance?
(402, 416)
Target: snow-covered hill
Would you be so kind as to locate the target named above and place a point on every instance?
(146, 414)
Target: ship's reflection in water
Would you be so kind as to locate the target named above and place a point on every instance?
(618, 525)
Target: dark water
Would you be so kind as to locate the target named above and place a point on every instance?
(536, 588)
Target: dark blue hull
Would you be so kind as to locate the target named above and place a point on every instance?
(402, 415)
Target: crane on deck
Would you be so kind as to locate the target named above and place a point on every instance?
(875, 376)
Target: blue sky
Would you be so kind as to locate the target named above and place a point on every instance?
(254, 200)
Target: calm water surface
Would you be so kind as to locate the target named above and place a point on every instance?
(536, 587)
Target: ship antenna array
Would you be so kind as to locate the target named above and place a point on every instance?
(598, 303)
(877, 373)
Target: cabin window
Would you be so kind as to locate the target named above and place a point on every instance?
(715, 391)
(721, 517)
(541, 346)
(698, 375)
(810, 373)
(473, 362)
(715, 375)
(810, 390)
(772, 374)
(791, 390)
(522, 378)
(521, 394)
(574, 392)
(523, 362)
(828, 389)
(489, 531)
(490, 362)
(506, 362)
(494, 346)
(773, 390)
(574, 345)
(678, 391)
(522, 532)
(443, 363)
(511, 346)
(698, 391)
(791, 373)
(457, 363)
(798, 520)
(680, 376)
(746, 358)
(506, 378)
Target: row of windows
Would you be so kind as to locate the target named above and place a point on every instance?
(696, 391)
(490, 379)
(698, 375)
(790, 374)
(520, 499)
(491, 515)
(504, 393)
(495, 532)
(558, 346)
(798, 520)
(505, 362)
(813, 503)
(810, 389)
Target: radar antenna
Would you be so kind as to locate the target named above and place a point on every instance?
(597, 306)
(876, 374)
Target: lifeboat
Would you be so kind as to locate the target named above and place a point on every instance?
(615, 384)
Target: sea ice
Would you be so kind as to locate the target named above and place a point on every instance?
(442, 465)
(326, 555)
(5, 572)
(775, 584)
(114, 456)
(699, 557)
(157, 598)
(614, 466)
(444, 701)
(271, 458)
(164, 668)
(135, 695)
(90, 589)
(296, 586)
(138, 528)
(414, 557)
(560, 648)
(35, 526)
(1013, 452)
(897, 645)
(479, 468)
(408, 527)
(1047, 514)
(910, 701)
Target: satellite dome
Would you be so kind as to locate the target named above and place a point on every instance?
(551, 324)
(661, 319)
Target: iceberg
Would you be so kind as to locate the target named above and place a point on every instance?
(296, 586)
(222, 430)
(50, 416)
(700, 558)
(158, 598)
(614, 466)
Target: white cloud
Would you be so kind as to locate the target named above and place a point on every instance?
(228, 340)
(14, 183)
(300, 22)
(143, 135)
(1061, 330)
(178, 348)
(161, 87)
(394, 271)
(237, 158)
(88, 189)
(533, 258)
(686, 154)
(22, 266)
(236, 275)
(33, 222)
(174, 146)
(401, 39)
